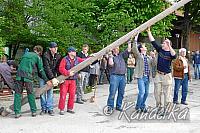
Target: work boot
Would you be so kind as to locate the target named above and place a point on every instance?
(62, 112)
(17, 115)
(184, 103)
(43, 112)
(119, 109)
(33, 114)
(51, 113)
(1, 110)
(84, 100)
(70, 111)
(138, 110)
(79, 101)
(144, 110)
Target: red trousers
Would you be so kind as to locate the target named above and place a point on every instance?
(70, 87)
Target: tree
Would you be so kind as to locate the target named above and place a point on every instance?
(117, 17)
(191, 20)
(1, 47)
(67, 22)
(14, 26)
(75, 22)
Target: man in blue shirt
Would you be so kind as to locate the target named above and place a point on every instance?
(163, 78)
(117, 67)
(196, 62)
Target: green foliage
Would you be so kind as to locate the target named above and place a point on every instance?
(194, 12)
(117, 17)
(2, 44)
(75, 22)
(14, 26)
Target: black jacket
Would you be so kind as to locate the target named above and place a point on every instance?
(51, 64)
(83, 56)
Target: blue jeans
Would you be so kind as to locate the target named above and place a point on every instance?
(117, 82)
(46, 99)
(143, 88)
(196, 70)
(178, 83)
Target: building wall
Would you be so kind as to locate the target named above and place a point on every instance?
(194, 42)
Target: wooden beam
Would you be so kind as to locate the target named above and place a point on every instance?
(116, 43)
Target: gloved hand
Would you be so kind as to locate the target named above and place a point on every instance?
(55, 82)
(62, 81)
(92, 55)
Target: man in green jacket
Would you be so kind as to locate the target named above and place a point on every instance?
(30, 64)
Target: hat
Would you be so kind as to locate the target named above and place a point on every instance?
(53, 45)
(71, 49)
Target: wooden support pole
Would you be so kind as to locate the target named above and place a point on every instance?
(116, 43)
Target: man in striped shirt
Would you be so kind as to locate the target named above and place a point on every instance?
(163, 78)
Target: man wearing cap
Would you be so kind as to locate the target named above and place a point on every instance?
(163, 78)
(181, 73)
(69, 85)
(24, 78)
(51, 61)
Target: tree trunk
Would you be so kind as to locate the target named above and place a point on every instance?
(10, 51)
(16, 47)
(187, 27)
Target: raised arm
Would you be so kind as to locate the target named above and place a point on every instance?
(129, 47)
(172, 51)
(134, 48)
(110, 59)
(151, 38)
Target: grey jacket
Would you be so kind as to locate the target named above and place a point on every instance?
(95, 69)
(139, 69)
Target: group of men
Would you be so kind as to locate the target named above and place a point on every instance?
(51, 64)
(156, 66)
(48, 66)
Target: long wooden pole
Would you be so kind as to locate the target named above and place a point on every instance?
(116, 43)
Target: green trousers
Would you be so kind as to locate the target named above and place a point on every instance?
(130, 72)
(18, 96)
(17, 103)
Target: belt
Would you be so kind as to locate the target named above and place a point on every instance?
(119, 74)
(161, 73)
